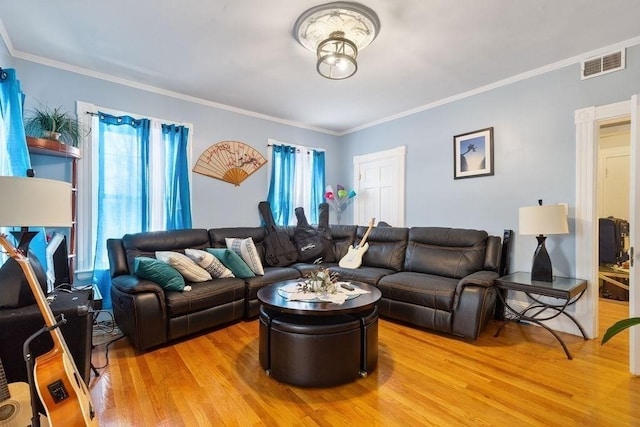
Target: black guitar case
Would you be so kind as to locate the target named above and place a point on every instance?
(325, 232)
(278, 249)
(307, 239)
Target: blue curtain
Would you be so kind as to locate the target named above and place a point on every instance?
(282, 180)
(123, 187)
(317, 187)
(285, 191)
(178, 201)
(14, 154)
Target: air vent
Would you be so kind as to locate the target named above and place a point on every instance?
(604, 64)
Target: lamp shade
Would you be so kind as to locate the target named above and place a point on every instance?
(34, 202)
(540, 220)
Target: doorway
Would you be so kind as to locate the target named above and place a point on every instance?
(613, 189)
(587, 122)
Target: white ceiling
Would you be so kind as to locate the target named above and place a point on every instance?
(242, 54)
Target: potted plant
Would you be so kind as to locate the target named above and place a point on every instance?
(57, 124)
(619, 326)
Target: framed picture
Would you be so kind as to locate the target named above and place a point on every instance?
(473, 154)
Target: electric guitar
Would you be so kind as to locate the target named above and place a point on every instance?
(62, 391)
(353, 258)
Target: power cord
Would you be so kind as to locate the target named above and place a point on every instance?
(102, 328)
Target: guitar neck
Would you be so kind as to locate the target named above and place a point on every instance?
(36, 289)
(366, 235)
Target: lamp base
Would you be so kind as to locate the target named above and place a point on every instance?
(541, 269)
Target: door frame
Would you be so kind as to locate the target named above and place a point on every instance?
(587, 121)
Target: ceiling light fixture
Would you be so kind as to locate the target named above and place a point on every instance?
(336, 32)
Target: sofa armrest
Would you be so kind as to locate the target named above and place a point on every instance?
(130, 284)
(140, 310)
(482, 278)
(133, 286)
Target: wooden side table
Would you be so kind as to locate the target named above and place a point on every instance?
(567, 291)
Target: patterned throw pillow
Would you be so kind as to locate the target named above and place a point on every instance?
(162, 273)
(246, 249)
(204, 259)
(185, 265)
(232, 261)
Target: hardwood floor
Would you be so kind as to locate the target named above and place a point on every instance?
(520, 378)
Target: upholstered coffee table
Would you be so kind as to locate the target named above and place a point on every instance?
(318, 344)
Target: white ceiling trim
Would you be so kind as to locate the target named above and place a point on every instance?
(125, 82)
(148, 88)
(5, 38)
(501, 83)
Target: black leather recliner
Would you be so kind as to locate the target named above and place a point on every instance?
(446, 282)
(150, 316)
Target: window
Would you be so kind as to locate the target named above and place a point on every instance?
(297, 180)
(134, 177)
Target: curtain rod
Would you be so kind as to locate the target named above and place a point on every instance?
(298, 147)
(3, 75)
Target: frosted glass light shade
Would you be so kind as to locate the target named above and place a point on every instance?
(34, 202)
(336, 32)
(546, 219)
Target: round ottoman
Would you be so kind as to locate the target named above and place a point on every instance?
(315, 351)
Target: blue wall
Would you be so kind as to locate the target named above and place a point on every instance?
(215, 203)
(6, 61)
(534, 148)
(534, 154)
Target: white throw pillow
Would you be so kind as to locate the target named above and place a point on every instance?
(246, 249)
(185, 265)
(204, 259)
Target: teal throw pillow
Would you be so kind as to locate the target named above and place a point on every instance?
(160, 272)
(233, 262)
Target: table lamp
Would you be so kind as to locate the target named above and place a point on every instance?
(29, 202)
(540, 220)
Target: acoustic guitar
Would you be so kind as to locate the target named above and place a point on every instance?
(62, 391)
(15, 403)
(353, 258)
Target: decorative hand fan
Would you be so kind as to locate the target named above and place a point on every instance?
(229, 161)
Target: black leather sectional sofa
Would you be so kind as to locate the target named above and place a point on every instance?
(430, 277)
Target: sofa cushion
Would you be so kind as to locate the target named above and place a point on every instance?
(368, 275)
(446, 252)
(246, 249)
(232, 261)
(271, 275)
(147, 243)
(191, 271)
(420, 289)
(342, 237)
(160, 272)
(387, 246)
(204, 295)
(206, 260)
(218, 237)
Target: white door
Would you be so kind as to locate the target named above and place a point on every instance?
(379, 181)
(613, 182)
